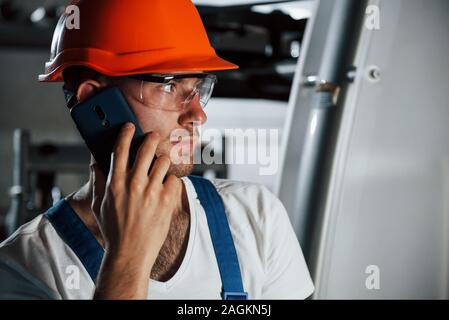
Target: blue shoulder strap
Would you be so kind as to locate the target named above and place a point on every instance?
(224, 248)
(79, 238)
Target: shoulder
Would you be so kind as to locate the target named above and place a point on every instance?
(33, 245)
(225, 186)
(248, 192)
(37, 248)
(252, 209)
(34, 233)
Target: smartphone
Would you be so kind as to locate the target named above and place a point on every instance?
(99, 120)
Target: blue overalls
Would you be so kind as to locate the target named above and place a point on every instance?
(79, 238)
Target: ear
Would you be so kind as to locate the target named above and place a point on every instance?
(88, 89)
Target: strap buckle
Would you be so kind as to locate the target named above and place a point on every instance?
(230, 295)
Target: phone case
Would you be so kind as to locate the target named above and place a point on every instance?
(99, 120)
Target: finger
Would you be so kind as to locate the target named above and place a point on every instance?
(99, 183)
(173, 185)
(159, 170)
(119, 157)
(145, 156)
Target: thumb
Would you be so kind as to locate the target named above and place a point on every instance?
(99, 183)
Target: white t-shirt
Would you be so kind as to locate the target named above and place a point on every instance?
(271, 261)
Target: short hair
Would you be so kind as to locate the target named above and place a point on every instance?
(73, 77)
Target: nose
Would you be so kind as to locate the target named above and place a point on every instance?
(193, 113)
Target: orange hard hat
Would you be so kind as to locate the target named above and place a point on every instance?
(125, 37)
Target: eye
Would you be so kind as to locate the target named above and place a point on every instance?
(169, 87)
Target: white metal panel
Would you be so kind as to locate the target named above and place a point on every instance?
(388, 203)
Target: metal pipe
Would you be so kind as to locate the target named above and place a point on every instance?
(339, 42)
(324, 120)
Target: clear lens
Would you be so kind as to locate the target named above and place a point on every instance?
(176, 94)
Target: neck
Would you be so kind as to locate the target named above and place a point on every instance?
(80, 201)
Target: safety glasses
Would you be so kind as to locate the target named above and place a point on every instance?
(175, 91)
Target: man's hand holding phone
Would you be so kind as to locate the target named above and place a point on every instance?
(134, 211)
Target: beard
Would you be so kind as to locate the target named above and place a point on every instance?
(180, 170)
(181, 158)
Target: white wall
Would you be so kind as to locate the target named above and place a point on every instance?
(253, 115)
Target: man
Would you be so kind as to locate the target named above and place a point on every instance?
(137, 235)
